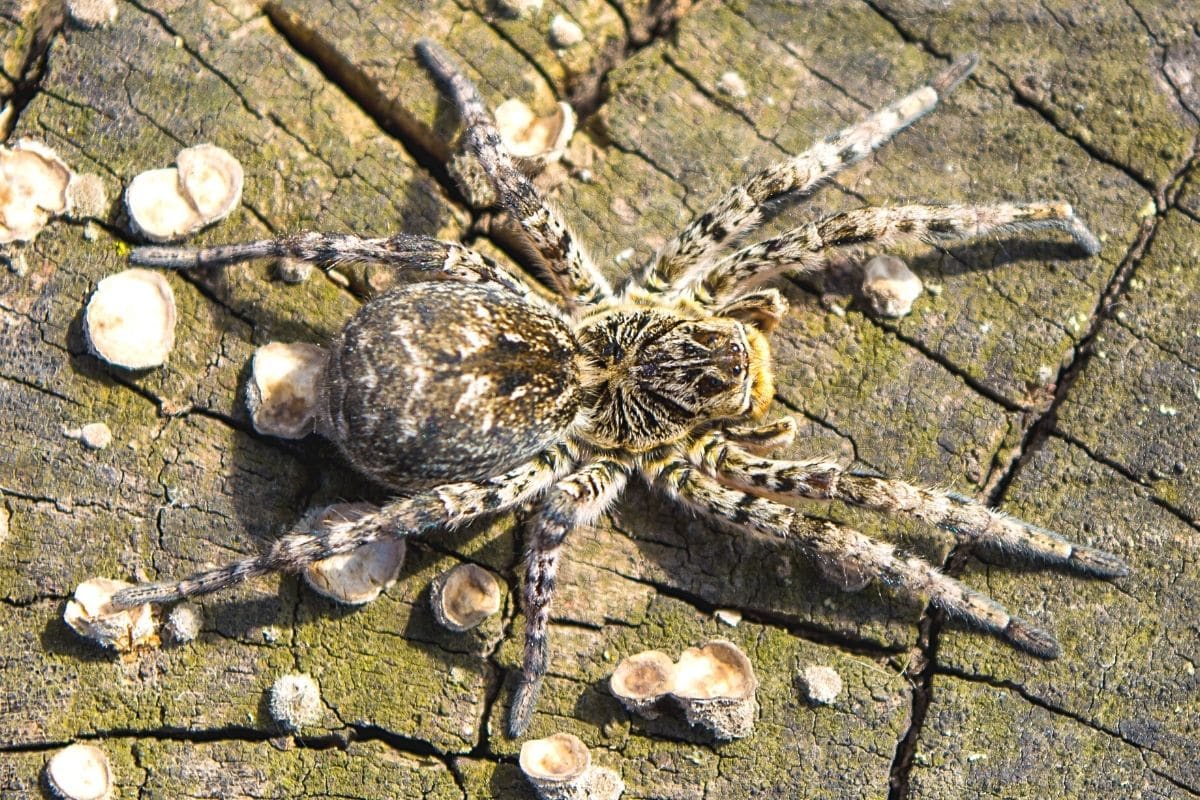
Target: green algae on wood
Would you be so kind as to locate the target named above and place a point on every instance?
(1129, 647)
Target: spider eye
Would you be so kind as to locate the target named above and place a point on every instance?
(710, 385)
(737, 370)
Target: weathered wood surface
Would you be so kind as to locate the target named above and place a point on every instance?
(1067, 390)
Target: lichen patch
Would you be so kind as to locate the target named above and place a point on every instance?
(80, 772)
(92, 13)
(527, 135)
(282, 392)
(33, 188)
(165, 205)
(90, 614)
(130, 319)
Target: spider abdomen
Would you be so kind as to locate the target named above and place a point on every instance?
(445, 381)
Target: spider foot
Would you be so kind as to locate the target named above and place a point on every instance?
(955, 74)
(1033, 640)
(520, 713)
(1083, 236)
(1091, 561)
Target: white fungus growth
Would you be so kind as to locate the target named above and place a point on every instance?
(564, 33)
(732, 84)
(92, 13)
(89, 614)
(715, 684)
(183, 623)
(821, 684)
(293, 270)
(86, 197)
(526, 135)
(642, 680)
(80, 772)
(560, 768)
(603, 783)
(464, 596)
(33, 188)
(728, 616)
(165, 205)
(357, 577)
(282, 392)
(559, 758)
(890, 286)
(130, 319)
(94, 435)
(157, 208)
(521, 8)
(211, 179)
(295, 701)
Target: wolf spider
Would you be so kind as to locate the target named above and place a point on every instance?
(473, 394)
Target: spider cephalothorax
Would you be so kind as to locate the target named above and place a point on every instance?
(472, 393)
(651, 376)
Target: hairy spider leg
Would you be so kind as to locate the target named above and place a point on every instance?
(742, 209)
(966, 519)
(717, 468)
(571, 269)
(576, 500)
(401, 253)
(762, 438)
(809, 247)
(840, 550)
(762, 308)
(443, 506)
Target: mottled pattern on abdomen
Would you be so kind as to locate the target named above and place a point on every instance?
(437, 382)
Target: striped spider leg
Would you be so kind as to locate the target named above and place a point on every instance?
(847, 556)
(742, 208)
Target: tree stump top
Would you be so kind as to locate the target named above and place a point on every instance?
(1065, 390)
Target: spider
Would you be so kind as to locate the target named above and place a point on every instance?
(471, 393)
